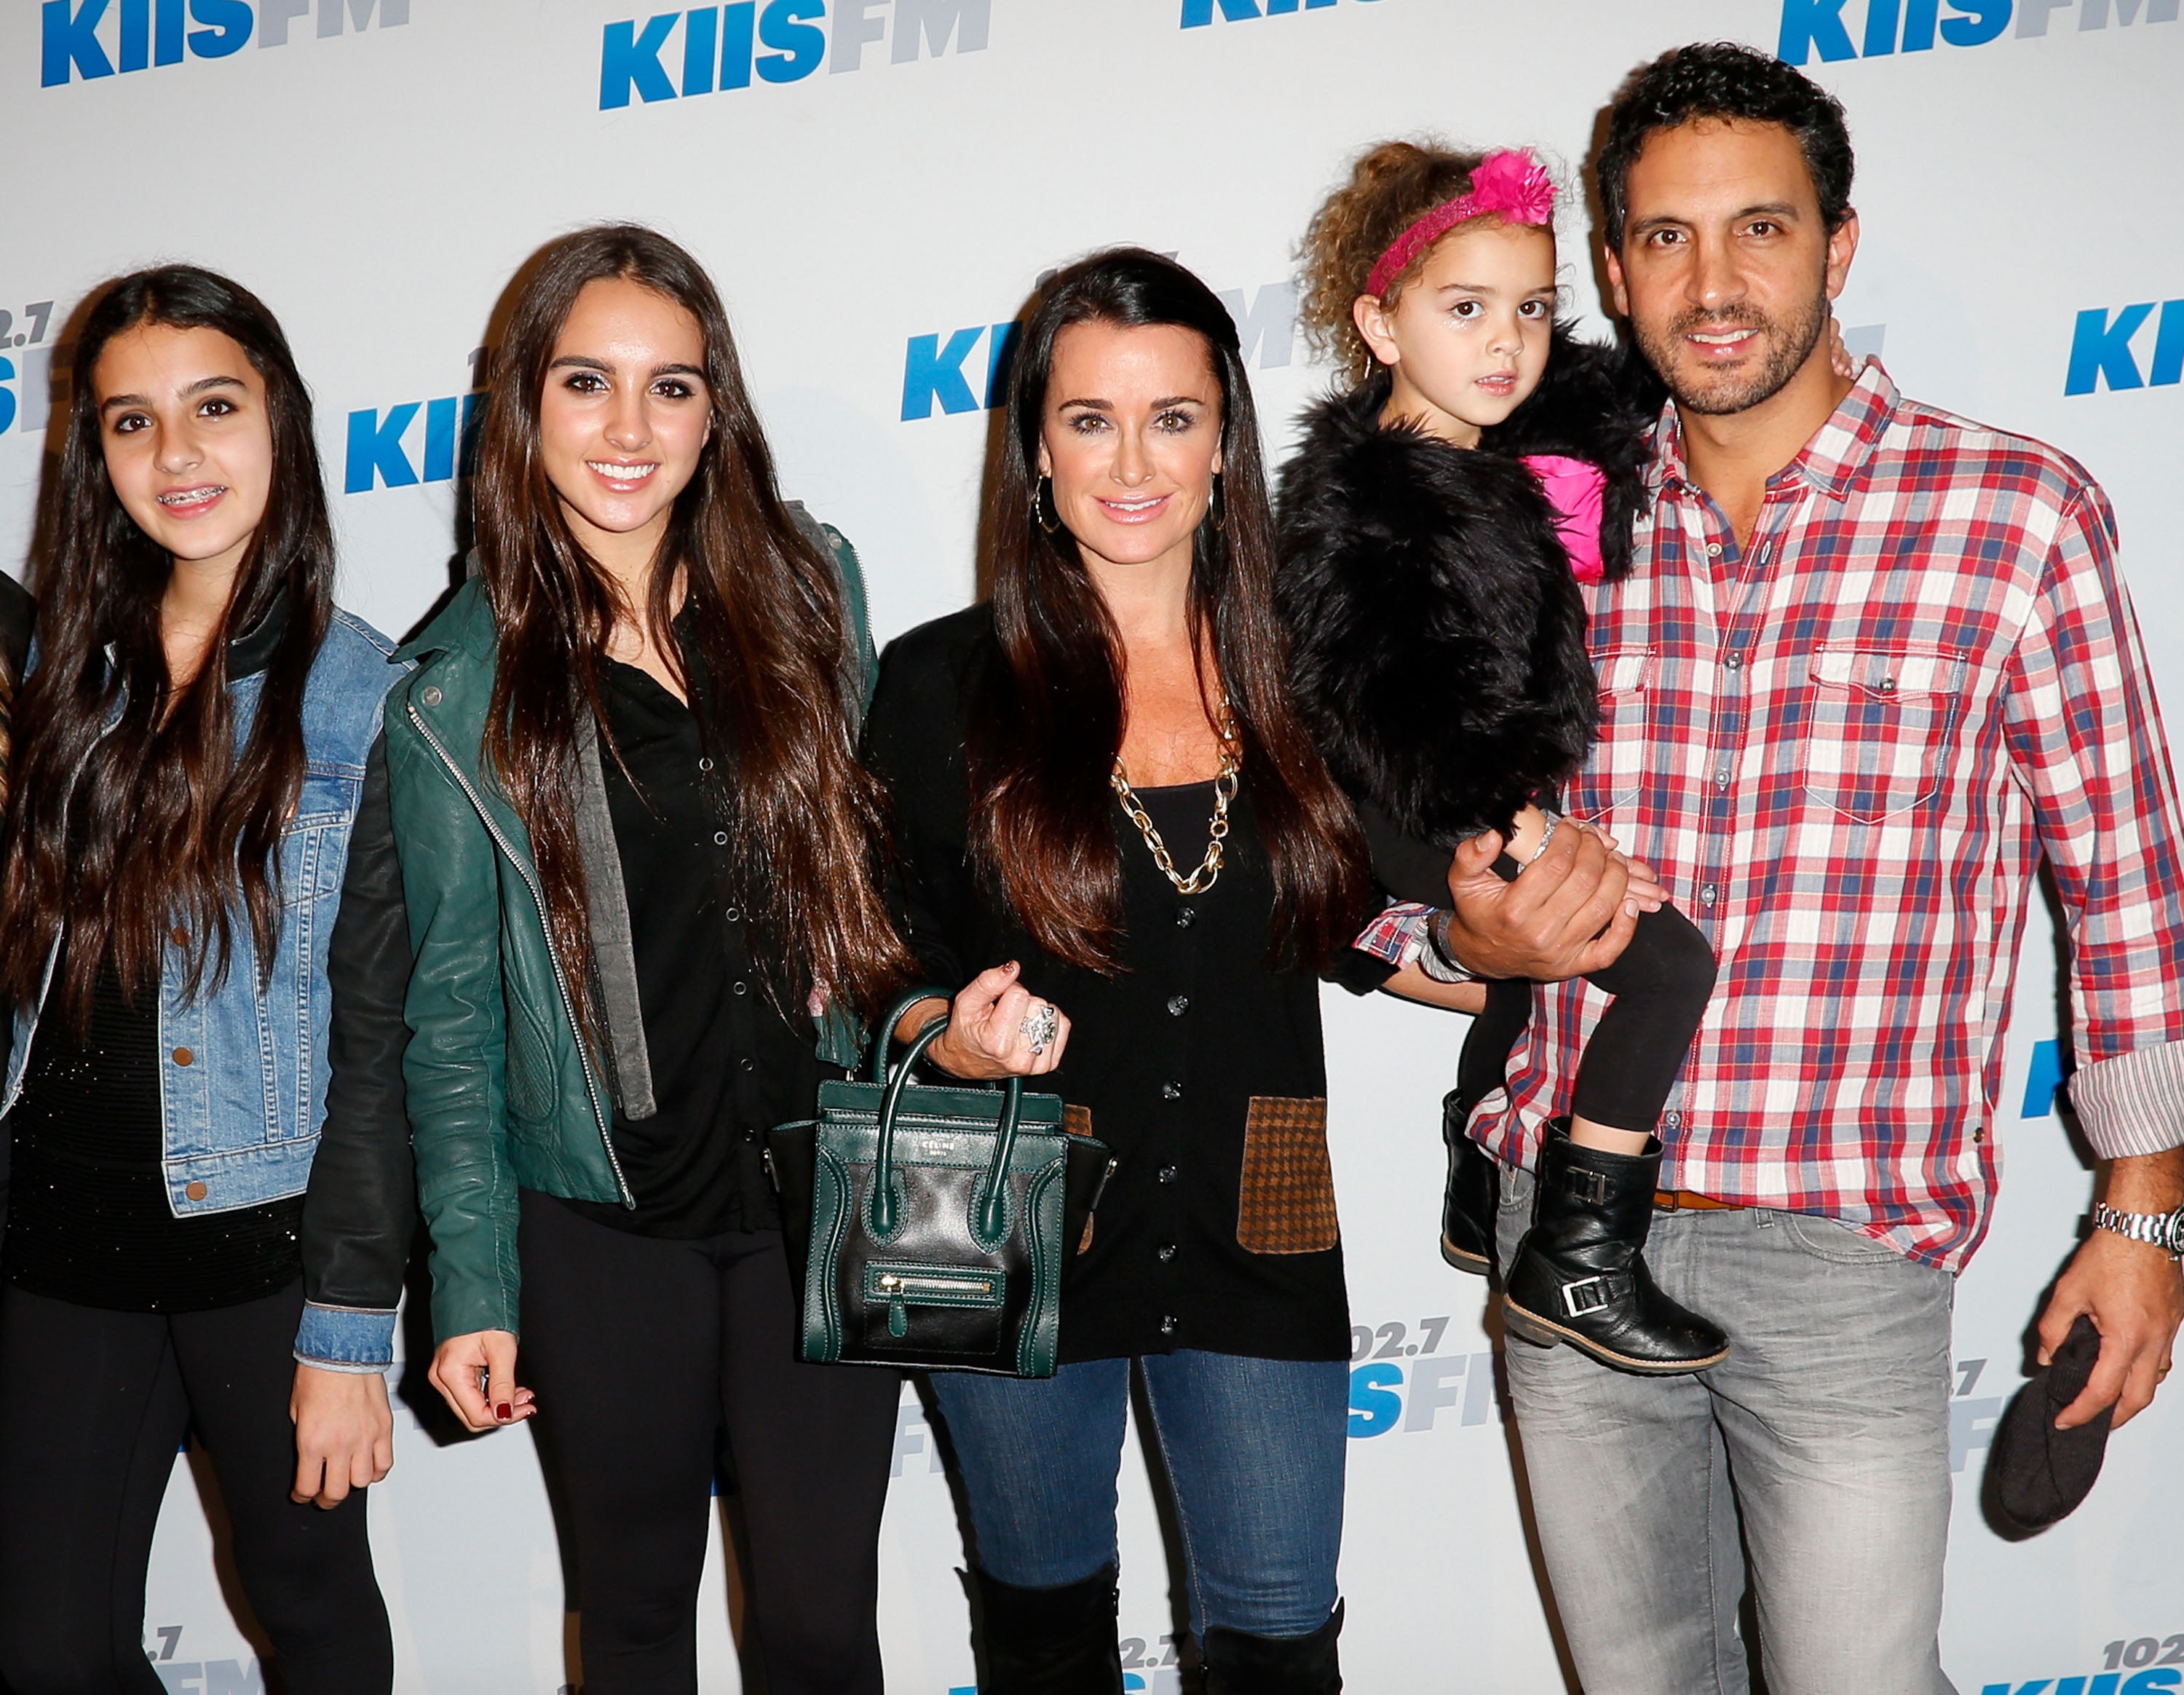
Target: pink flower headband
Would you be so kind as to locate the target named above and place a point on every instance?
(1510, 184)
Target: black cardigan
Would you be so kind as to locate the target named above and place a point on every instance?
(1170, 1058)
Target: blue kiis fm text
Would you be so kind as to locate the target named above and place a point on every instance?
(89, 39)
(1888, 26)
(713, 49)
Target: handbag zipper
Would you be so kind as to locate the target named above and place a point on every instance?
(899, 1287)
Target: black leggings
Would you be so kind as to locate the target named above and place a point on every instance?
(639, 1350)
(93, 1405)
(1661, 983)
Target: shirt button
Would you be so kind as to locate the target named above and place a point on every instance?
(1672, 1120)
(1171, 1091)
(1167, 1174)
(196, 1192)
(1167, 1326)
(1167, 1252)
(1185, 917)
(1888, 685)
(1706, 895)
(742, 988)
(1178, 1005)
(747, 1065)
(720, 838)
(183, 1056)
(704, 765)
(1713, 550)
(1721, 776)
(734, 915)
(1734, 661)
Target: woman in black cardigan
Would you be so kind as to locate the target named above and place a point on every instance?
(1105, 803)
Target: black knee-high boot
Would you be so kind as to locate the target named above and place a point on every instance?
(1049, 1641)
(1579, 1276)
(1240, 1664)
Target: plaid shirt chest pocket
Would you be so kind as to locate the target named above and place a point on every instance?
(1622, 758)
(1879, 720)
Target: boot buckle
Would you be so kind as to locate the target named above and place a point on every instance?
(1588, 1295)
(1588, 1186)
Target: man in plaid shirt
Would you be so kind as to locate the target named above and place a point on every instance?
(1873, 664)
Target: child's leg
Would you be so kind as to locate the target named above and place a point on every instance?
(1661, 984)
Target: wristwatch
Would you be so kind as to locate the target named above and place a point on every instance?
(2163, 1230)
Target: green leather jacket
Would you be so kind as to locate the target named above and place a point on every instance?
(502, 1094)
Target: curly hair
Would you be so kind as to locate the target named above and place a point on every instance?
(1724, 80)
(1391, 187)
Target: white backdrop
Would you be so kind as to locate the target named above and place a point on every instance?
(874, 183)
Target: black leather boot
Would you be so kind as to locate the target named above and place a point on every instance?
(1467, 1207)
(1579, 1276)
(1049, 1641)
(1240, 1664)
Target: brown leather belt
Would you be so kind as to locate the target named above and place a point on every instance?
(1689, 1201)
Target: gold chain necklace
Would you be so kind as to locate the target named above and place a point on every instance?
(1224, 791)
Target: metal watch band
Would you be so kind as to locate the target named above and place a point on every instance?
(2155, 1230)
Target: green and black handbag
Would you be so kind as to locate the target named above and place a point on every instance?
(931, 1223)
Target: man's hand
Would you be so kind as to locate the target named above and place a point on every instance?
(344, 1433)
(476, 1376)
(1570, 912)
(2133, 1293)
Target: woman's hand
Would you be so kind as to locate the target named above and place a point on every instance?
(476, 1376)
(985, 1035)
(344, 1433)
(1839, 358)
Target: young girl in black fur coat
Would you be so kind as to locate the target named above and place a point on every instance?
(1436, 525)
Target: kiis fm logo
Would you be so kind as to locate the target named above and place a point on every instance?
(716, 48)
(2094, 1683)
(25, 369)
(1914, 26)
(934, 369)
(379, 453)
(146, 33)
(2101, 347)
(1197, 14)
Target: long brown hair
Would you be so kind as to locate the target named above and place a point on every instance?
(809, 822)
(1044, 743)
(161, 824)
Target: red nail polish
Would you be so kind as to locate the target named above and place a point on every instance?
(503, 1412)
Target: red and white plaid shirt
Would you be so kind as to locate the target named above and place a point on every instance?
(1845, 747)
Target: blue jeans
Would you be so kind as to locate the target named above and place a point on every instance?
(1254, 1448)
(1824, 1439)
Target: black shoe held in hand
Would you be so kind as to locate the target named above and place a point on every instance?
(1580, 1275)
(1466, 1209)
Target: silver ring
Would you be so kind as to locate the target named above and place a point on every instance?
(1039, 1027)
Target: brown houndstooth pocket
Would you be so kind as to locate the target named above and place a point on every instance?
(1287, 1200)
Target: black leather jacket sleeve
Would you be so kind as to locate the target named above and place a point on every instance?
(361, 1206)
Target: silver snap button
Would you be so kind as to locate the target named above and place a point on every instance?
(1178, 1005)
(720, 838)
(1735, 661)
(1706, 895)
(1167, 1252)
(431, 696)
(1167, 1174)
(1171, 1091)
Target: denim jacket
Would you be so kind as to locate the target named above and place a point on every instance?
(243, 1068)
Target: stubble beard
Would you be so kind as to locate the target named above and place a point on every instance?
(1788, 343)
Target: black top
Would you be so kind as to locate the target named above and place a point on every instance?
(88, 1217)
(726, 1064)
(1170, 1058)
(89, 1222)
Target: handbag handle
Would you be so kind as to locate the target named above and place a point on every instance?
(989, 1200)
(884, 1033)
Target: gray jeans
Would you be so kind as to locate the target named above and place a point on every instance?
(1817, 1454)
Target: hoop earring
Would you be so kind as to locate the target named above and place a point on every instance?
(1217, 507)
(1038, 504)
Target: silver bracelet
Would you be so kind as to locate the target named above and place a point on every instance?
(1439, 962)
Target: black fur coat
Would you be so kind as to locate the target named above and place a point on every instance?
(1437, 635)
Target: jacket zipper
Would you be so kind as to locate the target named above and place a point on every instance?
(538, 899)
